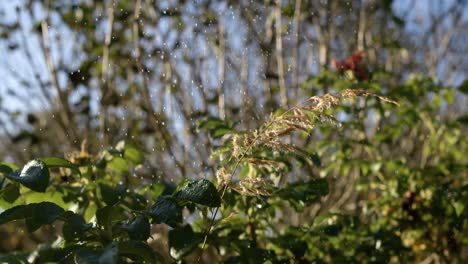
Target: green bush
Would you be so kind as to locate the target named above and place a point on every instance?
(408, 176)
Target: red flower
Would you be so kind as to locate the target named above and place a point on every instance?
(353, 63)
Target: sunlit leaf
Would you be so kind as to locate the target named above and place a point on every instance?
(133, 154)
(118, 164)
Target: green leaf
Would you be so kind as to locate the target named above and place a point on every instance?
(15, 213)
(133, 154)
(302, 194)
(183, 240)
(106, 215)
(165, 210)
(43, 214)
(54, 162)
(201, 192)
(90, 211)
(10, 259)
(5, 169)
(316, 159)
(111, 195)
(156, 189)
(138, 229)
(463, 119)
(36, 214)
(60, 255)
(10, 193)
(130, 152)
(118, 164)
(464, 87)
(85, 255)
(34, 175)
(52, 196)
(137, 251)
(135, 201)
(216, 126)
(249, 252)
(110, 255)
(459, 206)
(75, 227)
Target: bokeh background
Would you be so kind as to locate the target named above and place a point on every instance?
(81, 75)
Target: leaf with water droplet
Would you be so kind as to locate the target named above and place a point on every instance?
(34, 175)
(200, 192)
(166, 211)
(74, 227)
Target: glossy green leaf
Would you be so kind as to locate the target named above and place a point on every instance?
(200, 191)
(10, 193)
(183, 240)
(15, 213)
(110, 255)
(138, 229)
(138, 251)
(74, 227)
(43, 214)
(59, 255)
(112, 195)
(9, 166)
(5, 169)
(105, 216)
(34, 175)
(167, 211)
(36, 214)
